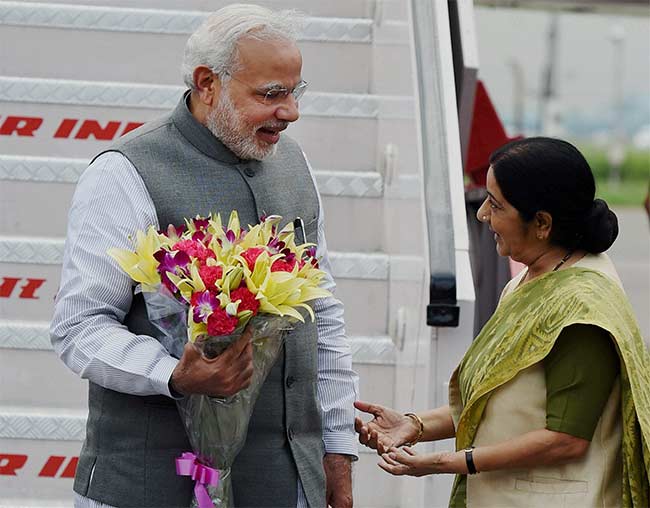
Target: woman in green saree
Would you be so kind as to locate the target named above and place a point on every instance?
(550, 406)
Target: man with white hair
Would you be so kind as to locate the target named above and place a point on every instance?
(220, 149)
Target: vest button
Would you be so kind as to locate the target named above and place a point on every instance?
(290, 381)
(290, 434)
(249, 172)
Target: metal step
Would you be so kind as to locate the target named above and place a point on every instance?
(77, 119)
(352, 223)
(159, 21)
(360, 184)
(93, 40)
(331, 8)
(49, 183)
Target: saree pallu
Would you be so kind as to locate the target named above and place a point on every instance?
(522, 332)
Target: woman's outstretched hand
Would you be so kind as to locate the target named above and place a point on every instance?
(386, 430)
(406, 461)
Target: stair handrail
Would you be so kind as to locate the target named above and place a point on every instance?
(442, 310)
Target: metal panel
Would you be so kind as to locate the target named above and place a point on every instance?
(367, 184)
(24, 335)
(63, 427)
(164, 97)
(158, 21)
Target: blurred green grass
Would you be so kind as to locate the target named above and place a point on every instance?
(632, 188)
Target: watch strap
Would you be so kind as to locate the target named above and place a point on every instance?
(469, 460)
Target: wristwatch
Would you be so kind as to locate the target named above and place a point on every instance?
(469, 460)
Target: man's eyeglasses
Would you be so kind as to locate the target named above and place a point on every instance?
(275, 94)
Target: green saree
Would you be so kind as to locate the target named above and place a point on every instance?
(523, 331)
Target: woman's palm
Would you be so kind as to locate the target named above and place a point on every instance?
(387, 429)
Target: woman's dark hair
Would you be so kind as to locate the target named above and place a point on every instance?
(545, 174)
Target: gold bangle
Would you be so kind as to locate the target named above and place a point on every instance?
(420, 425)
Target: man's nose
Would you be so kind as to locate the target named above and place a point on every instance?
(288, 110)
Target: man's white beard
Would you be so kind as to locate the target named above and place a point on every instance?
(227, 125)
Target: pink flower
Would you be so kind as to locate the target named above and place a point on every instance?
(210, 274)
(194, 249)
(282, 265)
(220, 323)
(251, 255)
(247, 300)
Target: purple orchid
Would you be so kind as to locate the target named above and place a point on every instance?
(276, 245)
(199, 236)
(230, 236)
(174, 262)
(289, 256)
(204, 305)
(173, 232)
(311, 252)
(200, 223)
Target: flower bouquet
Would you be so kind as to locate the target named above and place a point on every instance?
(206, 283)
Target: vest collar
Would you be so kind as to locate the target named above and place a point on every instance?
(199, 135)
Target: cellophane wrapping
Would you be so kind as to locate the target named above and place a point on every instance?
(216, 426)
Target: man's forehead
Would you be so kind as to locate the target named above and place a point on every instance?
(270, 61)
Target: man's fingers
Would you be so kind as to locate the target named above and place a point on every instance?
(247, 374)
(239, 346)
(409, 450)
(190, 352)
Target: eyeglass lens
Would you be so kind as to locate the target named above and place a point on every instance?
(280, 94)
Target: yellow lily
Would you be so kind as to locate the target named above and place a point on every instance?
(141, 265)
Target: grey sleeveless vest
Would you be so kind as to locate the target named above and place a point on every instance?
(127, 459)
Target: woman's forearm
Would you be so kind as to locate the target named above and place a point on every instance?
(534, 449)
(541, 447)
(438, 424)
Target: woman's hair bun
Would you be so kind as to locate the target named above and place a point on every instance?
(600, 228)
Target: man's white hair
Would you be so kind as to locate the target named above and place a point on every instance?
(214, 43)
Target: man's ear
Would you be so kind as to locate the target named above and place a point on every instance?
(543, 224)
(207, 84)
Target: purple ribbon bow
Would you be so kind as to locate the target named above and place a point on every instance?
(188, 465)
